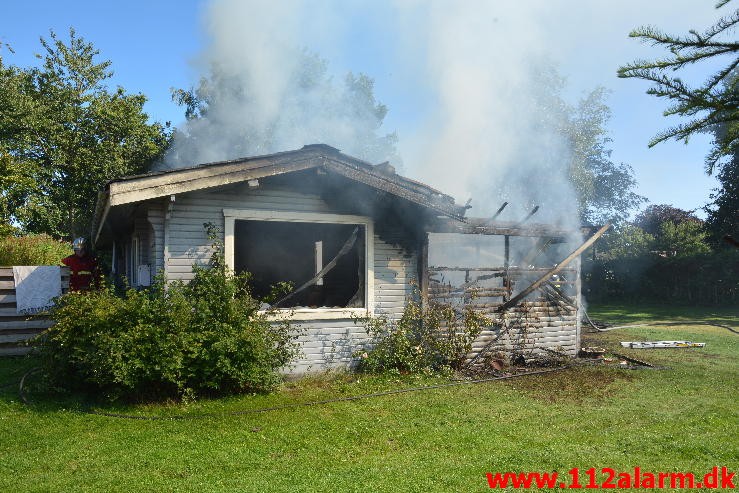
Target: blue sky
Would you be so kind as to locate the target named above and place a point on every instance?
(155, 45)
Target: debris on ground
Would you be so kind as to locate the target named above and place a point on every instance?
(661, 344)
(592, 352)
(501, 363)
(605, 357)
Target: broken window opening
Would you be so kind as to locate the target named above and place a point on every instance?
(277, 251)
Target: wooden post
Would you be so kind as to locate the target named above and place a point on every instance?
(167, 216)
(423, 271)
(506, 265)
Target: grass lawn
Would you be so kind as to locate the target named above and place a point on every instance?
(684, 418)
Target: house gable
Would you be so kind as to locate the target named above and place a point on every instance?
(172, 182)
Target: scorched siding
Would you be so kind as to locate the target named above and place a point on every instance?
(396, 274)
(534, 325)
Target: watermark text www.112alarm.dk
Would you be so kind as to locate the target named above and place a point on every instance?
(608, 478)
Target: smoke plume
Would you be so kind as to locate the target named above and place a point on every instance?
(474, 120)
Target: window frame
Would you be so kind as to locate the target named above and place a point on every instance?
(230, 216)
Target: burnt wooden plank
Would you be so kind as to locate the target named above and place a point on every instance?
(520, 296)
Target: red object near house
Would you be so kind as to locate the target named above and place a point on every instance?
(83, 272)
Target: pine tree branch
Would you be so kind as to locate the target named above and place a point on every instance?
(677, 87)
(683, 131)
(655, 37)
(723, 24)
(680, 61)
(723, 74)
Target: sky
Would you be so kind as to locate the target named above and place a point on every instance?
(412, 49)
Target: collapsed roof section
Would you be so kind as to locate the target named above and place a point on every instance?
(170, 182)
(484, 226)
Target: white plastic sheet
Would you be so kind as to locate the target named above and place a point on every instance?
(36, 287)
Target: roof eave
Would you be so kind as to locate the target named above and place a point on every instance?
(159, 184)
(102, 207)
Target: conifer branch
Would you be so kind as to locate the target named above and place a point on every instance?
(711, 105)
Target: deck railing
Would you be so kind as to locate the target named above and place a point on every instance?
(15, 328)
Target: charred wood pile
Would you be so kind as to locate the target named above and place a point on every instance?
(532, 301)
(547, 320)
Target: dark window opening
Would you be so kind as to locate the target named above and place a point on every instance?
(276, 251)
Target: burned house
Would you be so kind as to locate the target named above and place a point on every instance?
(353, 238)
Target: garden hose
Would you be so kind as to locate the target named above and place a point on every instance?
(685, 322)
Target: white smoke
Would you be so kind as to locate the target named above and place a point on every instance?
(478, 63)
(266, 93)
(480, 123)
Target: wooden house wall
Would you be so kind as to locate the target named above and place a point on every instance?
(144, 233)
(530, 327)
(180, 240)
(325, 343)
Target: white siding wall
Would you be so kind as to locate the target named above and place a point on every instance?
(396, 275)
(325, 343)
(188, 242)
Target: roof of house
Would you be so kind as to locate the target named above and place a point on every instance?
(138, 188)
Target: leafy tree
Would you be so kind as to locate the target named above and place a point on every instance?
(664, 229)
(652, 218)
(676, 232)
(626, 242)
(682, 239)
(16, 182)
(572, 148)
(708, 105)
(723, 212)
(604, 188)
(226, 118)
(63, 134)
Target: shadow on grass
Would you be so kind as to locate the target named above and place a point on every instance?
(292, 393)
(20, 382)
(628, 314)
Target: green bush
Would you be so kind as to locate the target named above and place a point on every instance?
(32, 250)
(167, 341)
(434, 339)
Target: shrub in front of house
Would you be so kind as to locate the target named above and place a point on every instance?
(435, 339)
(39, 249)
(167, 341)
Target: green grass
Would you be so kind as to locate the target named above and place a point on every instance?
(684, 418)
(627, 314)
